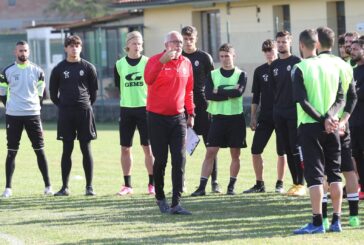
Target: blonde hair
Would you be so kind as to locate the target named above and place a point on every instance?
(130, 36)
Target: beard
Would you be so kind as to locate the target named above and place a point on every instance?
(356, 58)
(282, 51)
(22, 58)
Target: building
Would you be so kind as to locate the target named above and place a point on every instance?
(16, 16)
(244, 23)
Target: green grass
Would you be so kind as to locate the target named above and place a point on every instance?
(108, 219)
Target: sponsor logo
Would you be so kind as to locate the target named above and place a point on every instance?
(133, 84)
(134, 80)
(135, 76)
(275, 72)
(265, 77)
(66, 74)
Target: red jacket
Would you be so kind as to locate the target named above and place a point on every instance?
(170, 86)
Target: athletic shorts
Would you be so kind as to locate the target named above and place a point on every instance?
(227, 131)
(201, 122)
(321, 153)
(202, 119)
(129, 120)
(262, 134)
(33, 127)
(347, 163)
(285, 121)
(76, 122)
(357, 141)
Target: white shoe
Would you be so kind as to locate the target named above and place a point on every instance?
(7, 193)
(279, 189)
(48, 191)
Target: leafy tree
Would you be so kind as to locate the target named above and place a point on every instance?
(87, 8)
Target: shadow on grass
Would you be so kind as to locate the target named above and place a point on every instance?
(215, 217)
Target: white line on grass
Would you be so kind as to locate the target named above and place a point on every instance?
(11, 239)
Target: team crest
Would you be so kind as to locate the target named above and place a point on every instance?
(275, 72)
(197, 63)
(82, 73)
(66, 74)
(265, 77)
(288, 68)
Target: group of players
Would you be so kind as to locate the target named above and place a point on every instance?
(308, 103)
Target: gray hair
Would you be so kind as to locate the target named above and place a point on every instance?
(169, 34)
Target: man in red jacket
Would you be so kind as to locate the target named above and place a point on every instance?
(169, 77)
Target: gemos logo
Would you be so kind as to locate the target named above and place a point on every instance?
(134, 79)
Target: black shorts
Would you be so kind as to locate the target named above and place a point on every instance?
(33, 127)
(202, 119)
(262, 134)
(76, 122)
(201, 122)
(129, 120)
(285, 121)
(357, 141)
(227, 131)
(347, 163)
(321, 153)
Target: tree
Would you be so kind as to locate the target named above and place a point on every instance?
(88, 8)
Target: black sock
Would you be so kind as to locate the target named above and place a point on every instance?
(317, 219)
(299, 166)
(260, 183)
(66, 162)
(10, 167)
(279, 183)
(335, 218)
(214, 172)
(87, 160)
(151, 179)
(324, 206)
(203, 182)
(127, 180)
(43, 166)
(231, 183)
(353, 199)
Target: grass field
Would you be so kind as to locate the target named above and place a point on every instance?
(30, 218)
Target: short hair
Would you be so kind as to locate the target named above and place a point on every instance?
(308, 38)
(73, 39)
(130, 36)
(360, 42)
(21, 42)
(227, 47)
(326, 37)
(283, 34)
(169, 34)
(361, 37)
(341, 40)
(268, 45)
(189, 31)
(352, 34)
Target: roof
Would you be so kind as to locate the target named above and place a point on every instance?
(142, 4)
(98, 20)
